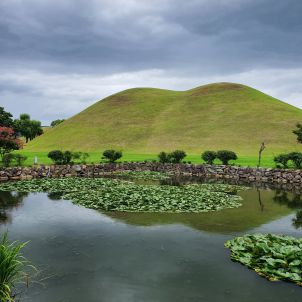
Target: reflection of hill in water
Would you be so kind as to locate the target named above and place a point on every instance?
(258, 208)
(8, 201)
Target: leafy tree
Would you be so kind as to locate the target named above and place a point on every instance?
(6, 119)
(225, 156)
(112, 155)
(7, 159)
(56, 122)
(282, 159)
(209, 157)
(298, 132)
(20, 159)
(8, 141)
(177, 156)
(296, 158)
(59, 157)
(27, 127)
(82, 156)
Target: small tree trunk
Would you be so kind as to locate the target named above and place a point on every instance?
(262, 147)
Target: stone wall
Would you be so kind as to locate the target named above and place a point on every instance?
(246, 174)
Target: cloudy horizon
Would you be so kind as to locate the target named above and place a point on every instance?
(58, 57)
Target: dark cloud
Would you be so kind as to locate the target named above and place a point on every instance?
(198, 39)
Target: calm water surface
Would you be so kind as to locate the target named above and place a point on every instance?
(84, 255)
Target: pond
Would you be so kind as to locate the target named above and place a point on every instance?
(86, 255)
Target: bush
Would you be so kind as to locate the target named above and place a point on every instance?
(225, 156)
(296, 158)
(209, 157)
(7, 159)
(163, 157)
(282, 159)
(59, 157)
(177, 156)
(112, 155)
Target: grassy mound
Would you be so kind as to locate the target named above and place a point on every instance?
(147, 120)
(271, 256)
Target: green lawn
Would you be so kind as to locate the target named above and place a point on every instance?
(95, 157)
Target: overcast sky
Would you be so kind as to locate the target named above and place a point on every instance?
(59, 56)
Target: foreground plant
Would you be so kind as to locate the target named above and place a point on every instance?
(12, 266)
(274, 257)
(118, 195)
(143, 175)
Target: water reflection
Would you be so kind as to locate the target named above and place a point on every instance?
(8, 201)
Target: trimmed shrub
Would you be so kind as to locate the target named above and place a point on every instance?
(225, 156)
(296, 158)
(112, 155)
(282, 159)
(209, 157)
(163, 157)
(59, 157)
(177, 156)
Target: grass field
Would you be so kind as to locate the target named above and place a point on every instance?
(95, 157)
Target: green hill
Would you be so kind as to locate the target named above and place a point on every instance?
(148, 120)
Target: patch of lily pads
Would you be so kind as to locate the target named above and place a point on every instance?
(119, 195)
(275, 257)
(143, 175)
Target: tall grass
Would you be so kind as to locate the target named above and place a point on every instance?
(12, 265)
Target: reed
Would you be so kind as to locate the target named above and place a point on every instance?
(12, 268)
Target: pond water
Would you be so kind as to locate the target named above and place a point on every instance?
(85, 255)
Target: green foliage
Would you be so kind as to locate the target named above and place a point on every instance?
(173, 157)
(112, 155)
(12, 264)
(298, 132)
(143, 175)
(7, 159)
(296, 158)
(177, 156)
(282, 159)
(163, 157)
(27, 127)
(209, 157)
(225, 156)
(117, 195)
(6, 119)
(20, 159)
(271, 256)
(56, 122)
(60, 157)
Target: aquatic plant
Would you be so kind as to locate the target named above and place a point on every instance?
(274, 257)
(143, 175)
(12, 265)
(118, 195)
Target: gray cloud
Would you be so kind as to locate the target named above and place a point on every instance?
(92, 45)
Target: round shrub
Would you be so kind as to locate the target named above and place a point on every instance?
(282, 159)
(296, 158)
(209, 157)
(177, 156)
(112, 155)
(225, 156)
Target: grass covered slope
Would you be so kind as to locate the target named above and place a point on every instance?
(147, 120)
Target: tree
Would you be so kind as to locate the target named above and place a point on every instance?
(60, 157)
(6, 119)
(112, 155)
(8, 141)
(225, 156)
(27, 127)
(56, 122)
(209, 157)
(298, 132)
